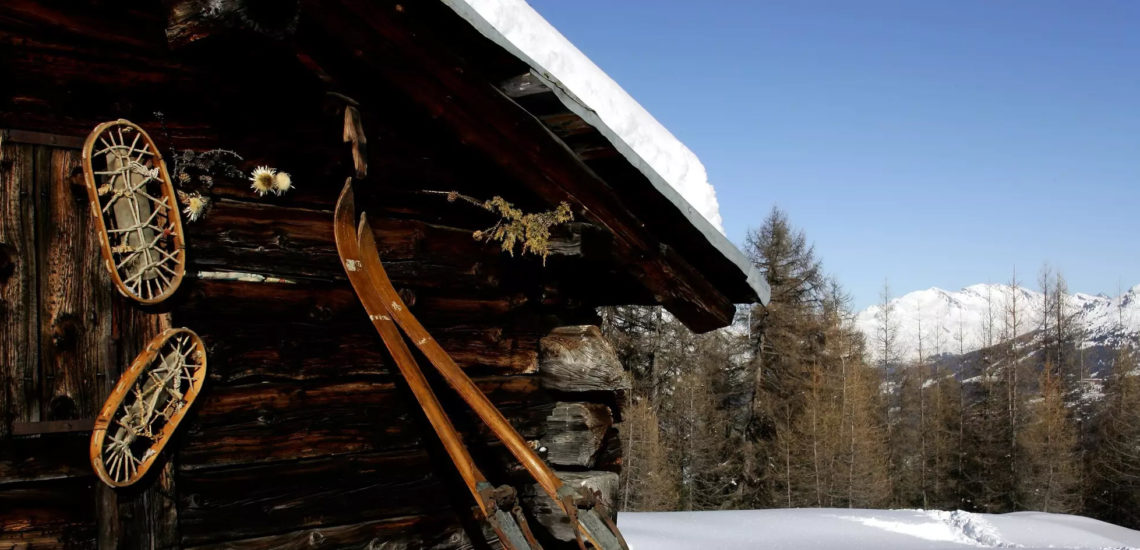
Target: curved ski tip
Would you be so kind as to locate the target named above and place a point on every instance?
(346, 199)
(363, 229)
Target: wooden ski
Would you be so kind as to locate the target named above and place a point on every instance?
(498, 506)
(376, 290)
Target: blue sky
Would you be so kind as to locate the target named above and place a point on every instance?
(928, 143)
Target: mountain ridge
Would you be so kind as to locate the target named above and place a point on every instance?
(955, 322)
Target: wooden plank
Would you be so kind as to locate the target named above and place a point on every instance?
(53, 426)
(19, 339)
(75, 294)
(41, 138)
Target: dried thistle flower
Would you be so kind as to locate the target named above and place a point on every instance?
(196, 205)
(282, 182)
(263, 180)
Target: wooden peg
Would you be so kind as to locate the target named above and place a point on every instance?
(354, 134)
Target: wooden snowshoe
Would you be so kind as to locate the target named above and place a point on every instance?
(361, 260)
(135, 211)
(150, 399)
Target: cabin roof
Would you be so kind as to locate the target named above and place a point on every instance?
(560, 68)
(487, 84)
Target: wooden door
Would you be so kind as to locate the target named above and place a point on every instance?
(64, 338)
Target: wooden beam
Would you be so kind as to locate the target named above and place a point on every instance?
(578, 358)
(575, 433)
(53, 426)
(41, 138)
(193, 20)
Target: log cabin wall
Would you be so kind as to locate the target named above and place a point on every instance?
(303, 436)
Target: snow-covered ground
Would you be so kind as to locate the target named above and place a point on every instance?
(944, 316)
(854, 529)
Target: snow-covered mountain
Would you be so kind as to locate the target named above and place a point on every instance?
(956, 322)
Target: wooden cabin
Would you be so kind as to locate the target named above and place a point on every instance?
(303, 435)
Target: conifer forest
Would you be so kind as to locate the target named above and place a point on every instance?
(795, 407)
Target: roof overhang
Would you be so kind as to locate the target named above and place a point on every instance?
(520, 30)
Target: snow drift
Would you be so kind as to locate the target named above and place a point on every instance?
(854, 529)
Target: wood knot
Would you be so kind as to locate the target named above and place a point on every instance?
(62, 407)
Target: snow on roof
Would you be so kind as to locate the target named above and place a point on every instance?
(673, 169)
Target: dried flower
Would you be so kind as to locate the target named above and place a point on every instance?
(282, 182)
(263, 179)
(195, 206)
(183, 177)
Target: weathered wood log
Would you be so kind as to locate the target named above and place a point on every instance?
(578, 358)
(550, 516)
(277, 422)
(49, 515)
(575, 433)
(403, 533)
(243, 350)
(244, 502)
(19, 333)
(240, 302)
(45, 458)
(297, 242)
